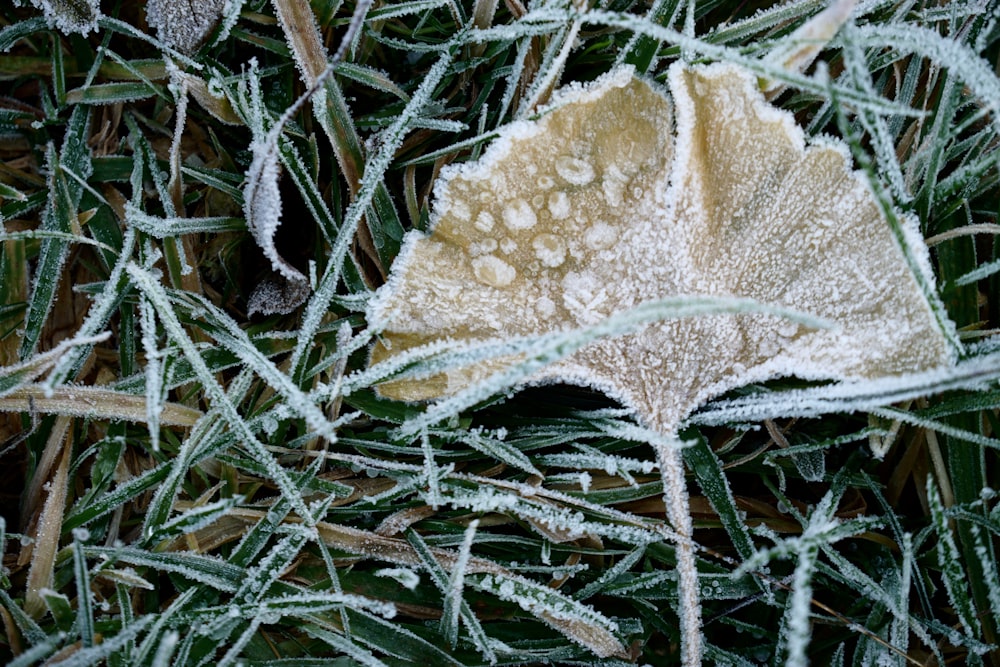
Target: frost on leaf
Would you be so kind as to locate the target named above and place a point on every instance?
(801, 47)
(277, 295)
(69, 16)
(608, 201)
(620, 195)
(288, 288)
(184, 24)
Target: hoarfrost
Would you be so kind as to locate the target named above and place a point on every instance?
(155, 391)
(263, 204)
(593, 459)
(578, 621)
(954, 576)
(453, 594)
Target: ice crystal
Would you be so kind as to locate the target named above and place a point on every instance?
(620, 195)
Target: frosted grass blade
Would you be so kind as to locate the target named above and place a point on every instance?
(93, 403)
(99, 314)
(257, 581)
(343, 644)
(950, 561)
(206, 570)
(15, 32)
(121, 494)
(163, 227)
(110, 93)
(27, 625)
(455, 606)
(578, 622)
(974, 70)
(38, 651)
(206, 430)
(712, 480)
(193, 519)
(975, 374)
(235, 339)
(98, 655)
(152, 289)
(85, 603)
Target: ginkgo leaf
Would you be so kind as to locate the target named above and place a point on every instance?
(597, 208)
(620, 195)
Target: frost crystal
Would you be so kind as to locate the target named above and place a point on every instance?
(405, 576)
(620, 195)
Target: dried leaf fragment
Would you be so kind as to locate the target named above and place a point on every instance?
(69, 16)
(214, 103)
(277, 295)
(801, 47)
(184, 24)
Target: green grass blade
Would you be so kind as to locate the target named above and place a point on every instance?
(85, 603)
(59, 216)
(950, 560)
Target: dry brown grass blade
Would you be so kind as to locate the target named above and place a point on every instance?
(302, 34)
(367, 544)
(299, 25)
(49, 528)
(52, 453)
(94, 403)
(15, 276)
(12, 633)
(220, 107)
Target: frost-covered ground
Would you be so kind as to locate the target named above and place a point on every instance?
(689, 354)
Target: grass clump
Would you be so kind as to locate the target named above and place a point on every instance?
(187, 482)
